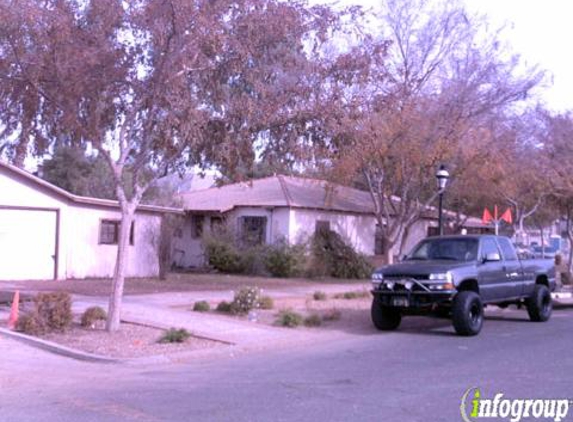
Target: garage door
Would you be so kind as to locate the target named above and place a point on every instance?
(27, 244)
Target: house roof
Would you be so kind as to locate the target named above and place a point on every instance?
(280, 191)
(84, 200)
(292, 192)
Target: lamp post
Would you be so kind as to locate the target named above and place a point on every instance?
(442, 177)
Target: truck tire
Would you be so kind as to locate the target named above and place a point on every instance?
(384, 318)
(539, 305)
(467, 313)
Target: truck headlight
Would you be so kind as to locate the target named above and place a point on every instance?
(447, 277)
(445, 281)
(377, 279)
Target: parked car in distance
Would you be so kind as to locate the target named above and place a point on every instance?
(547, 252)
(456, 276)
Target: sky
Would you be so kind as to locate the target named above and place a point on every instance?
(540, 31)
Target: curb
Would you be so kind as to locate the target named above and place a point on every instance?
(160, 326)
(57, 349)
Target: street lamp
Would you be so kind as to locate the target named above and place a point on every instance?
(442, 177)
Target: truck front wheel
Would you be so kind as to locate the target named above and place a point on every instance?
(467, 313)
(384, 317)
(539, 305)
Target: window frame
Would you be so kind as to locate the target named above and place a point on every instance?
(247, 237)
(116, 224)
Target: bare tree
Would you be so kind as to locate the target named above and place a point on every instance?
(445, 77)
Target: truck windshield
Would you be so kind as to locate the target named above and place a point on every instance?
(445, 249)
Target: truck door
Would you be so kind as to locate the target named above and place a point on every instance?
(492, 273)
(513, 269)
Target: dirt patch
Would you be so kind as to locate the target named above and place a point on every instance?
(176, 282)
(131, 341)
(349, 315)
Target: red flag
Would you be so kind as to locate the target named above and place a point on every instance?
(507, 216)
(487, 218)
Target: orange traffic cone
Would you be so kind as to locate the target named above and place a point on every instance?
(14, 311)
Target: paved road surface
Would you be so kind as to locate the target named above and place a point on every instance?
(417, 374)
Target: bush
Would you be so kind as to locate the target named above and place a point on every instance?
(289, 318)
(266, 302)
(93, 315)
(339, 259)
(174, 335)
(245, 300)
(224, 257)
(224, 307)
(202, 306)
(284, 260)
(54, 310)
(318, 295)
(331, 315)
(31, 324)
(313, 320)
(351, 295)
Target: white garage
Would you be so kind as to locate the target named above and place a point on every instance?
(47, 233)
(28, 243)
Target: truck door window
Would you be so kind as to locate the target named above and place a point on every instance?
(488, 246)
(507, 249)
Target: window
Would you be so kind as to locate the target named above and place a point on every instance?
(507, 249)
(109, 232)
(253, 230)
(321, 225)
(217, 225)
(197, 226)
(488, 247)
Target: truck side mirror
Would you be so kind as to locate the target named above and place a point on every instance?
(492, 257)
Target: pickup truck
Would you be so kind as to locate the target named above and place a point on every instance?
(456, 276)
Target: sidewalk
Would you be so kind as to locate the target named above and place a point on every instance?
(167, 310)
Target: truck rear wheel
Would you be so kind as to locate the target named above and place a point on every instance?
(467, 313)
(539, 305)
(384, 317)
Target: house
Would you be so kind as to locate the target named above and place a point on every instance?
(47, 233)
(283, 207)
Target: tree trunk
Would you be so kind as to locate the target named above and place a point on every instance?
(570, 262)
(114, 310)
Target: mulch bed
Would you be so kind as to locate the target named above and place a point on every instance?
(131, 341)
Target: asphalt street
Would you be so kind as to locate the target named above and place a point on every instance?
(416, 374)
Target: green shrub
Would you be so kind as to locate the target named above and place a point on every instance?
(352, 295)
(339, 259)
(224, 307)
(92, 315)
(318, 295)
(284, 260)
(331, 315)
(266, 302)
(202, 306)
(313, 320)
(175, 335)
(31, 324)
(54, 310)
(225, 257)
(245, 300)
(289, 318)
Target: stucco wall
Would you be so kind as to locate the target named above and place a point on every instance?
(88, 258)
(357, 230)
